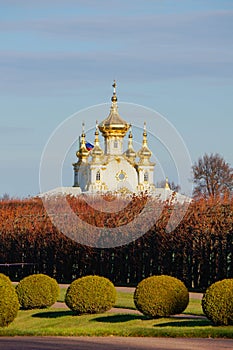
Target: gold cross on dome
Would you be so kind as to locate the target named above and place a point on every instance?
(114, 85)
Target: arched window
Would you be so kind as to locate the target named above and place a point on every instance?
(146, 176)
(115, 144)
(98, 176)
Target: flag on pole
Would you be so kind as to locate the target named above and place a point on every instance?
(89, 146)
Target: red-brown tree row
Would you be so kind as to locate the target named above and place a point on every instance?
(199, 251)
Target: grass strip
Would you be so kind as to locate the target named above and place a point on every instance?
(62, 322)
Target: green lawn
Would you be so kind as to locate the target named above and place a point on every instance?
(62, 294)
(124, 300)
(55, 321)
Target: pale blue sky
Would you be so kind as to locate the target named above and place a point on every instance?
(58, 57)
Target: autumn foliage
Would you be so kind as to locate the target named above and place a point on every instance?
(198, 251)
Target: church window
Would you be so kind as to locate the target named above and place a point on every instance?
(121, 176)
(115, 144)
(146, 176)
(98, 176)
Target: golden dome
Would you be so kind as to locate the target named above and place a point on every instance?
(114, 125)
(82, 153)
(130, 152)
(97, 151)
(144, 153)
(167, 187)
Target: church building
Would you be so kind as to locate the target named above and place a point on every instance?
(112, 169)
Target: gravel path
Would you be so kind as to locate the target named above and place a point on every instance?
(132, 289)
(131, 311)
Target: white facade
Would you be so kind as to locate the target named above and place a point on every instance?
(112, 169)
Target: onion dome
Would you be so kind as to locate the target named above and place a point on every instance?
(82, 153)
(144, 153)
(167, 187)
(97, 151)
(114, 125)
(130, 152)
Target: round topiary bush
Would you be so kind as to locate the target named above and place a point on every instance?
(9, 304)
(217, 302)
(158, 296)
(5, 278)
(37, 291)
(90, 295)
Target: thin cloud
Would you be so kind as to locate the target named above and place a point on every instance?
(149, 47)
(156, 36)
(33, 68)
(126, 23)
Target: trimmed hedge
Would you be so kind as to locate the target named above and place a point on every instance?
(159, 296)
(217, 302)
(37, 291)
(90, 295)
(9, 304)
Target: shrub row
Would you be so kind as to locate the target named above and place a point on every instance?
(155, 296)
(159, 296)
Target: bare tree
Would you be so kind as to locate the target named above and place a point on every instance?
(212, 176)
(5, 197)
